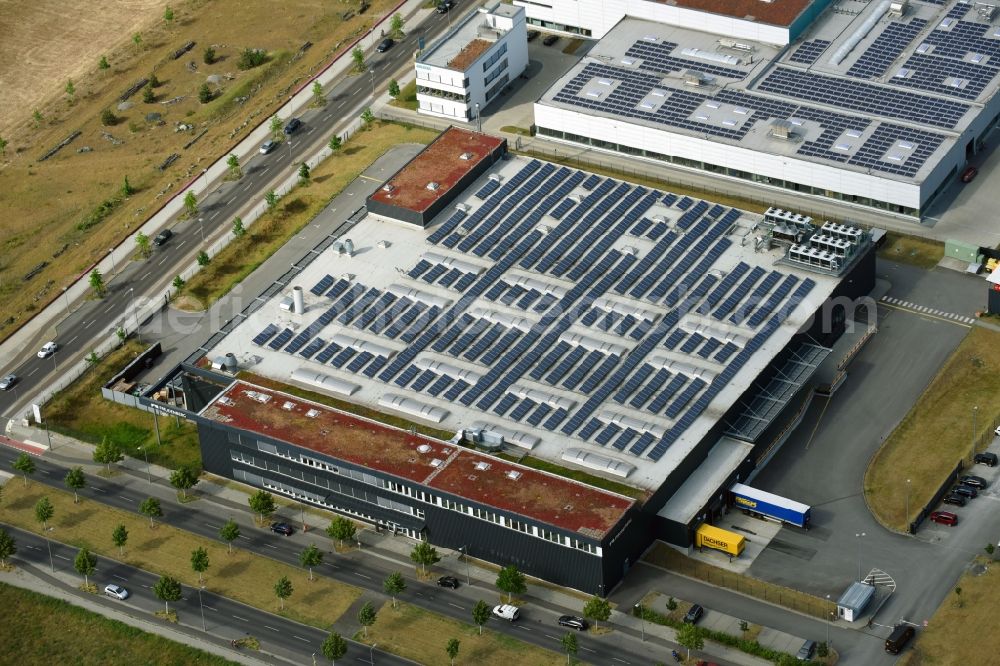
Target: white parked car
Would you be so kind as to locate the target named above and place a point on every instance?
(507, 612)
(116, 591)
(48, 349)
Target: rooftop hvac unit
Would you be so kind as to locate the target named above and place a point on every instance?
(433, 186)
(986, 11)
(466, 156)
(898, 7)
(693, 78)
(782, 129)
(729, 43)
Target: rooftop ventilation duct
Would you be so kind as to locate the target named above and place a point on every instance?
(782, 129)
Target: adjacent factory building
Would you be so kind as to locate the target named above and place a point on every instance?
(593, 363)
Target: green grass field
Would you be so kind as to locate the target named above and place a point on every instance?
(44, 630)
(921, 252)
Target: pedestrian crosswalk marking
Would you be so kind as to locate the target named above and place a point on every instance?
(923, 309)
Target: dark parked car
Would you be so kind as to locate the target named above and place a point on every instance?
(385, 45)
(986, 458)
(956, 500)
(445, 6)
(966, 491)
(448, 581)
(944, 518)
(162, 237)
(694, 614)
(283, 529)
(550, 40)
(533, 35)
(969, 174)
(573, 622)
(807, 651)
(974, 481)
(292, 125)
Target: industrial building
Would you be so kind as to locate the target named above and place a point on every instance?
(653, 344)
(881, 105)
(465, 70)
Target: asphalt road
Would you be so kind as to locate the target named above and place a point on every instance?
(537, 625)
(90, 320)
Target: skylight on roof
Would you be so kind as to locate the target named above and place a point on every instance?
(843, 146)
(604, 82)
(701, 116)
(741, 110)
(712, 104)
(658, 92)
(649, 38)
(628, 61)
(895, 157)
(925, 48)
(596, 94)
(853, 133)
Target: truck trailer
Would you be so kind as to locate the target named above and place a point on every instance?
(759, 503)
(709, 536)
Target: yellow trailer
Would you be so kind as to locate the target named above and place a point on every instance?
(709, 536)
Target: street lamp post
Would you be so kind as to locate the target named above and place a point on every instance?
(149, 477)
(828, 625)
(642, 621)
(201, 228)
(111, 253)
(372, 653)
(289, 150)
(907, 516)
(859, 537)
(372, 72)
(975, 411)
(202, 607)
(479, 121)
(465, 552)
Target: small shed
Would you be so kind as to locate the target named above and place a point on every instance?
(854, 600)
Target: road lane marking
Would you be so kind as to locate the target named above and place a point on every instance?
(32, 372)
(211, 609)
(588, 649)
(35, 547)
(62, 557)
(265, 170)
(214, 527)
(304, 640)
(456, 606)
(160, 262)
(362, 575)
(241, 618)
(620, 660)
(552, 637)
(145, 275)
(127, 499)
(213, 216)
(230, 202)
(100, 490)
(270, 546)
(521, 626)
(120, 577)
(110, 308)
(244, 537)
(271, 628)
(181, 244)
(72, 339)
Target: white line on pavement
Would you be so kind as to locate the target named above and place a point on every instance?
(213, 216)
(72, 339)
(265, 170)
(160, 262)
(270, 546)
(214, 527)
(271, 628)
(181, 244)
(88, 324)
(521, 626)
(211, 609)
(244, 537)
(362, 575)
(456, 606)
(127, 499)
(121, 577)
(35, 547)
(62, 557)
(230, 202)
(110, 308)
(620, 660)
(100, 490)
(304, 640)
(552, 637)
(241, 618)
(588, 649)
(32, 372)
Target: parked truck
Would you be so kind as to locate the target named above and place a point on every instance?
(759, 503)
(709, 536)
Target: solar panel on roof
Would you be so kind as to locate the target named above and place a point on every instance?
(281, 339)
(407, 376)
(456, 390)
(312, 348)
(265, 335)
(359, 361)
(328, 352)
(605, 435)
(322, 285)
(340, 359)
(505, 404)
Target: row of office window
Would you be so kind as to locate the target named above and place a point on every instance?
(495, 74)
(399, 488)
(439, 78)
(444, 94)
(492, 92)
(493, 59)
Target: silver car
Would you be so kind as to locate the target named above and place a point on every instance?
(116, 591)
(7, 381)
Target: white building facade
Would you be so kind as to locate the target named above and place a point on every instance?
(468, 68)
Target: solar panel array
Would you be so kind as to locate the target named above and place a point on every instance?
(888, 46)
(809, 52)
(550, 338)
(933, 73)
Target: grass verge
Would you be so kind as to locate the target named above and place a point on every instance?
(293, 212)
(922, 252)
(407, 98)
(49, 631)
(242, 575)
(421, 636)
(81, 412)
(584, 477)
(514, 129)
(962, 631)
(664, 556)
(937, 432)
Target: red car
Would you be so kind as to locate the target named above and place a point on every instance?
(944, 518)
(969, 174)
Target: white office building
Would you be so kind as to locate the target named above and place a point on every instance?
(474, 62)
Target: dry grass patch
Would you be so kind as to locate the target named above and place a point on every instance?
(421, 636)
(81, 412)
(937, 432)
(293, 212)
(242, 575)
(922, 252)
(47, 204)
(962, 630)
(49, 631)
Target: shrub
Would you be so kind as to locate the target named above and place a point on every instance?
(250, 58)
(108, 118)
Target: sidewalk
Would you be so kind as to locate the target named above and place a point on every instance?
(227, 499)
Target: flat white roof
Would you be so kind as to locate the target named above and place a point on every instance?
(698, 489)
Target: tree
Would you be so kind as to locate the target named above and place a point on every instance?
(304, 173)
(597, 609)
(97, 283)
(150, 507)
(107, 452)
(367, 616)
(342, 529)
(691, 637)
(367, 117)
(233, 162)
(204, 259)
(75, 481)
(271, 199)
(671, 604)
(103, 63)
(127, 189)
(335, 143)
(209, 55)
(7, 546)
(120, 537)
(318, 98)
(122, 336)
(167, 589)
(44, 512)
(262, 503)
(3, 146)
(137, 39)
(178, 282)
(394, 585)
(481, 614)
(92, 359)
(570, 645)
(25, 465)
(191, 204)
(283, 590)
(452, 649)
(199, 562)
(153, 81)
(277, 127)
(148, 96)
(423, 554)
(229, 533)
(396, 24)
(358, 56)
(205, 94)
(238, 229)
(311, 557)
(989, 549)
(143, 245)
(108, 118)
(334, 647)
(183, 479)
(70, 89)
(250, 58)
(168, 14)
(393, 88)
(85, 565)
(511, 581)
(822, 650)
